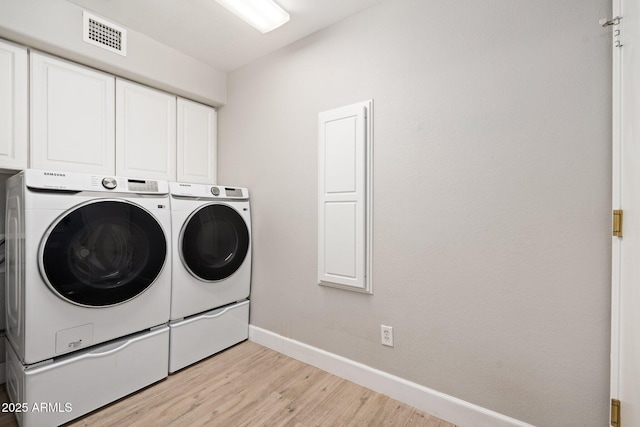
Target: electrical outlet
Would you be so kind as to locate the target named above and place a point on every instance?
(386, 335)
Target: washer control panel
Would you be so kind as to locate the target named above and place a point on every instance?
(142, 185)
(72, 181)
(136, 185)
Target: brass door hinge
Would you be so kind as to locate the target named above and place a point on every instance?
(615, 412)
(617, 222)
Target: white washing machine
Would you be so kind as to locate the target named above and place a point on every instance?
(88, 288)
(211, 271)
(88, 260)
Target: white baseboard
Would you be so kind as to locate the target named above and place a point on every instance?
(443, 406)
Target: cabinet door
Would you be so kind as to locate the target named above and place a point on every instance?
(13, 106)
(145, 132)
(197, 143)
(72, 117)
(344, 197)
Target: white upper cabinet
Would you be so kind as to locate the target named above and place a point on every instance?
(59, 115)
(13, 106)
(145, 132)
(197, 143)
(72, 117)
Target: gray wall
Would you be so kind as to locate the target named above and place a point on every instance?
(55, 26)
(492, 176)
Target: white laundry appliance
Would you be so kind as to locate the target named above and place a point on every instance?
(88, 289)
(211, 272)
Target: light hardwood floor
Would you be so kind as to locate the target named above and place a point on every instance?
(250, 385)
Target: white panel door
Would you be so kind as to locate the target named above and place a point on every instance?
(145, 132)
(197, 143)
(72, 117)
(625, 295)
(13, 106)
(344, 197)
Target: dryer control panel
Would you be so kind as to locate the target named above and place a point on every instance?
(205, 191)
(233, 192)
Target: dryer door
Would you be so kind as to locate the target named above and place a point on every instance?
(103, 253)
(214, 242)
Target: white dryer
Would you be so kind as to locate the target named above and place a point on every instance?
(211, 271)
(88, 260)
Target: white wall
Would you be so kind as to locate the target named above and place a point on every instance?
(55, 26)
(492, 166)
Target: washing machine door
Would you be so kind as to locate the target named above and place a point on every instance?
(214, 242)
(103, 253)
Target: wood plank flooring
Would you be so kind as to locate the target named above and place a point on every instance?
(251, 385)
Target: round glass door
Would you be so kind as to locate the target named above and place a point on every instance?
(214, 242)
(103, 253)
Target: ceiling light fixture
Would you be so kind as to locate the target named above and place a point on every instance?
(265, 15)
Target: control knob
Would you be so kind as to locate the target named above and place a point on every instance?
(215, 191)
(109, 183)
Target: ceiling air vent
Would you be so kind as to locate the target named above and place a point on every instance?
(104, 34)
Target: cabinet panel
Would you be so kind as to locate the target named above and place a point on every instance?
(72, 117)
(13, 106)
(344, 197)
(145, 132)
(197, 143)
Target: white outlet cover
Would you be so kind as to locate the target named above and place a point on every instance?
(386, 335)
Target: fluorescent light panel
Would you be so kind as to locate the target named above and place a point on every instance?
(265, 15)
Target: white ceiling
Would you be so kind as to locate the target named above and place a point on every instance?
(207, 31)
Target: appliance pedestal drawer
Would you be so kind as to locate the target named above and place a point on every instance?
(53, 393)
(202, 335)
